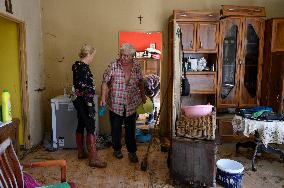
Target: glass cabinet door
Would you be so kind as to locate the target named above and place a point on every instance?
(250, 65)
(228, 67)
(251, 61)
(229, 62)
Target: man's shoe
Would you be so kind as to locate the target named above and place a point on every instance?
(133, 157)
(118, 154)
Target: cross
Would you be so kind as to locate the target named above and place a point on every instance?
(140, 18)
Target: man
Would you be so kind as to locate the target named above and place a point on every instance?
(152, 88)
(123, 79)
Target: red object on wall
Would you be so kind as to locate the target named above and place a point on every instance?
(141, 40)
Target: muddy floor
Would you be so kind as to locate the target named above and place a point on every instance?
(123, 174)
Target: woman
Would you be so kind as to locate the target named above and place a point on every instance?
(152, 88)
(84, 103)
(123, 79)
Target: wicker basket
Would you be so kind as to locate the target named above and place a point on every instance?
(199, 128)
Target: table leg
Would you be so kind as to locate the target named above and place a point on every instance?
(254, 155)
(270, 149)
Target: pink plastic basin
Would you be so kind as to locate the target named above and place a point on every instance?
(197, 110)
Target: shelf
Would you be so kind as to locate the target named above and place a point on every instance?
(248, 65)
(200, 52)
(200, 72)
(146, 58)
(251, 43)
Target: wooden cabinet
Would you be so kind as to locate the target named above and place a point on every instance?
(198, 33)
(149, 65)
(240, 61)
(199, 37)
(273, 72)
(226, 132)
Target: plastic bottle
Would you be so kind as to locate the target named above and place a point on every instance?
(6, 106)
(1, 113)
(102, 111)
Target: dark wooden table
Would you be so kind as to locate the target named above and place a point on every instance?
(11, 130)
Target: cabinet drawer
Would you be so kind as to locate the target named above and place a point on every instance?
(226, 132)
(202, 83)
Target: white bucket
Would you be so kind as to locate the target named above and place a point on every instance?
(230, 166)
(229, 173)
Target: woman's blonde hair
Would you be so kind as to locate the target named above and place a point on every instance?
(85, 50)
(129, 48)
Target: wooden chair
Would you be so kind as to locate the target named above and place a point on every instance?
(11, 172)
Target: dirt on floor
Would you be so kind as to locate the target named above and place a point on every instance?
(123, 174)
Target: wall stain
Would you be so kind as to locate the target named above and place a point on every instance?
(61, 60)
(52, 35)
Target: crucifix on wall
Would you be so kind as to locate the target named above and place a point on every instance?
(8, 5)
(140, 18)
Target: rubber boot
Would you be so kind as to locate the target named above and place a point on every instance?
(94, 160)
(150, 119)
(155, 114)
(80, 146)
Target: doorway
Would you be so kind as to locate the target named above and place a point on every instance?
(13, 75)
(149, 54)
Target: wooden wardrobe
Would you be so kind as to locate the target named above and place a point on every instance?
(273, 69)
(240, 57)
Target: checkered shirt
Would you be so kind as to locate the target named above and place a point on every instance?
(120, 95)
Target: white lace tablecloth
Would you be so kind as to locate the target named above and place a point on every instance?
(269, 131)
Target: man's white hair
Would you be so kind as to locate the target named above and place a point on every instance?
(126, 47)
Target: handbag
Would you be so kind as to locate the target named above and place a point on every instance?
(185, 86)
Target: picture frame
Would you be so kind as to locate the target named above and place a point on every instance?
(153, 45)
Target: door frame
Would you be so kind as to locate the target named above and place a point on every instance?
(23, 77)
(163, 80)
(142, 31)
(161, 57)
